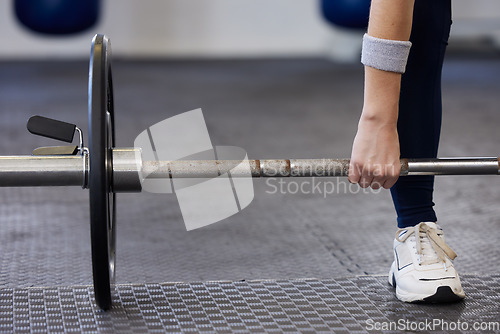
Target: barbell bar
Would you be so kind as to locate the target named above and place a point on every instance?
(129, 171)
(106, 170)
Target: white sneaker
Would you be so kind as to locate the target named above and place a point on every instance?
(422, 270)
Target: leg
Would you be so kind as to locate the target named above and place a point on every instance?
(419, 120)
(419, 272)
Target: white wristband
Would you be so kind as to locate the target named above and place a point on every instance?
(385, 54)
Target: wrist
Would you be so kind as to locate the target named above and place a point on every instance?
(383, 116)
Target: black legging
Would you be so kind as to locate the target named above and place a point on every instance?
(419, 122)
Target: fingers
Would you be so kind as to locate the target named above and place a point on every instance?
(354, 172)
(375, 176)
(390, 182)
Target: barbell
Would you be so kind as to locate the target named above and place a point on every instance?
(106, 170)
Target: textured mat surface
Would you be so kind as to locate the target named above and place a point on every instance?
(276, 108)
(342, 305)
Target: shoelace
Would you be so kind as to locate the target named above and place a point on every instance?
(426, 236)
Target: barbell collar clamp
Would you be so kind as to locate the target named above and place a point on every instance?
(127, 165)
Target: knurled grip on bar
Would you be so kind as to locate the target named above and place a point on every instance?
(311, 167)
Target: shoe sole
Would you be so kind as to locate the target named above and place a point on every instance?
(444, 294)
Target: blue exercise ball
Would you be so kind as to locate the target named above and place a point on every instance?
(347, 13)
(57, 17)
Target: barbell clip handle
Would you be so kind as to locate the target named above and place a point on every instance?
(51, 128)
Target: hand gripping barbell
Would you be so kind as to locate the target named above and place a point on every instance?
(106, 170)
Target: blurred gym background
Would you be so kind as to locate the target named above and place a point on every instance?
(226, 29)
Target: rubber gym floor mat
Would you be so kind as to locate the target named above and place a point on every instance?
(44, 239)
(44, 236)
(342, 305)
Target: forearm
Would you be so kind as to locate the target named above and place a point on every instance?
(389, 19)
(375, 153)
(381, 97)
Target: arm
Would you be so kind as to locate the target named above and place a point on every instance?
(375, 153)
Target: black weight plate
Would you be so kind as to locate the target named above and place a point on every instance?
(102, 197)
